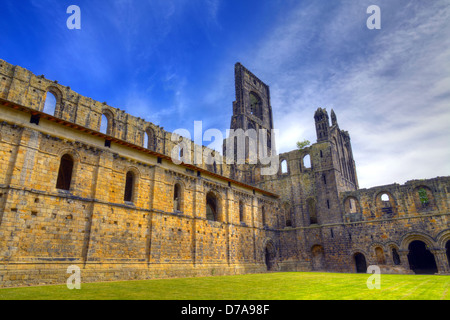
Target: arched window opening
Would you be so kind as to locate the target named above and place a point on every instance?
(351, 205)
(287, 214)
(352, 209)
(380, 255)
(149, 139)
(107, 122)
(241, 211)
(145, 143)
(65, 173)
(424, 198)
(212, 207)
(385, 205)
(307, 161)
(129, 186)
(50, 103)
(104, 124)
(177, 197)
(255, 105)
(396, 257)
(284, 167)
(263, 215)
(288, 219)
(312, 211)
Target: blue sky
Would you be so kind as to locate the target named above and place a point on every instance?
(172, 63)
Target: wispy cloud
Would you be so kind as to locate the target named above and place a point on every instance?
(171, 62)
(389, 87)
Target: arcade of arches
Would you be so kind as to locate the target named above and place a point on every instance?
(418, 257)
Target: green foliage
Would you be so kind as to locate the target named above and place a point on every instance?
(423, 196)
(303, 144)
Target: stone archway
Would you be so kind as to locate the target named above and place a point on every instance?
(420, 259)
(269, 256)
(360, 263)
(318, 258)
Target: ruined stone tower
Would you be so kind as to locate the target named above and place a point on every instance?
(252, 115)
(252, 109)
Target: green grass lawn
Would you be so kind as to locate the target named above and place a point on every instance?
(272, 286)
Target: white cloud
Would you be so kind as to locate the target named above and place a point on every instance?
(391, 92)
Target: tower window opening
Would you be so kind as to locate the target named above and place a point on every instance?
(50, 104)
(129, 185)
(65, 173)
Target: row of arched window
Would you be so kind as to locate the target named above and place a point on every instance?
(106, 123)
(213, 207)
(65, 173)
(304, 163)
(385, 203)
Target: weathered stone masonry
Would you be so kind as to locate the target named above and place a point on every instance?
(113, 203)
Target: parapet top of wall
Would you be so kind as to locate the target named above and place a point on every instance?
(21, 86)
(438, 181)
(437, 188)
(30, 90)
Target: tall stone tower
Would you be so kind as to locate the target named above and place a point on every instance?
(322, 124)
(335, 169)
(251, 111)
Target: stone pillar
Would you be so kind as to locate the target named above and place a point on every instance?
(227, 219)
(404, 259)
(440, 256)
(197, 211)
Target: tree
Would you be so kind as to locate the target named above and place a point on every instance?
(303, 144)
(423, 196)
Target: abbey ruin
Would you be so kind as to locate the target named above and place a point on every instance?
(89, 185)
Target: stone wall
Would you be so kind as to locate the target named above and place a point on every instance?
(44, 229)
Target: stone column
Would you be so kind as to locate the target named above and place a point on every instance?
(404, 259)
(440, 256)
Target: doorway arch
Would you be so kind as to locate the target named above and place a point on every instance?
(318, 258)
(420, 259)
(360, 263)
(269, 255)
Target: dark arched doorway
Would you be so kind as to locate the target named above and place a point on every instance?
(269, 256)
(360, 263)
(318, 258)
(421, 260)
